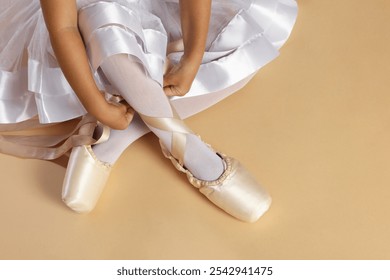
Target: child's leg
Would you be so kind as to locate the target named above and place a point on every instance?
(149, 100)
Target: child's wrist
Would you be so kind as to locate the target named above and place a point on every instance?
(191, 62)
(193, 58)
(98, 107)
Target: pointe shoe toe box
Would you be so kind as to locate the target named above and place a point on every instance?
(85, 179)
(238, 193)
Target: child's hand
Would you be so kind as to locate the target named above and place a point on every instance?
(179, 78)
(116, 116)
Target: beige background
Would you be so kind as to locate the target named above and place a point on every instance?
(313, 126)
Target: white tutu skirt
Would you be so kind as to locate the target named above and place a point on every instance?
(244, 35)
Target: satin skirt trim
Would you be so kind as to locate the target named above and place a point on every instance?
(249, 40)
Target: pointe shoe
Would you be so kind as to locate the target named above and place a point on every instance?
(86, 176)
(85, 179)
(235, 191)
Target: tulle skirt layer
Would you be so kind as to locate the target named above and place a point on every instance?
(244, 36)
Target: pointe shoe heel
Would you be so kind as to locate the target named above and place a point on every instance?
(85, 179)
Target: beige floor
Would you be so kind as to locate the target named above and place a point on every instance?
(313, 126)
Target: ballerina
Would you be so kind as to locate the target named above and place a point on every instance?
(78, 49)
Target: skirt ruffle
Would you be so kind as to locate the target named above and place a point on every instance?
(244, 36)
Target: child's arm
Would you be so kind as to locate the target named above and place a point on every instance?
(195, 19)
(61, 20)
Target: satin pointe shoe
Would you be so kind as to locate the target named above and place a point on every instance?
(235, 191)
(85, 177)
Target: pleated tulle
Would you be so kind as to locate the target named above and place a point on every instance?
(244, 36)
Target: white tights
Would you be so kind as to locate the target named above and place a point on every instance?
(148, 99)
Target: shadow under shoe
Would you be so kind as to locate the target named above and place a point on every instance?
(85, 179)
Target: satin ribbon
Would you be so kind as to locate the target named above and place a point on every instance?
(178, 129)
(48, 147)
